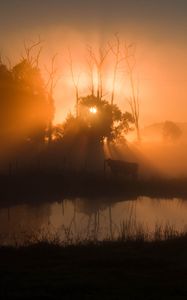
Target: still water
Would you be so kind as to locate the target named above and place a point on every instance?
(81, 218)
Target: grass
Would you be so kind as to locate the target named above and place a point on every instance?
(130, 264)
(136, 264)
(121, 269)
(128, 231)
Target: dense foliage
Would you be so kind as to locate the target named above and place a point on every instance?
(171, 131)
(24, 108)
(108, 121)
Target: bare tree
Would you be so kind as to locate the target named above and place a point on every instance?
(8, 62)
(116, 52)
(7, 59)
(90, 63)
(130, 59)
(99, 62)
(30, 54)
(75, 82)
(51, 84)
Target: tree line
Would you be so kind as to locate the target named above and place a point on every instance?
(27, 104)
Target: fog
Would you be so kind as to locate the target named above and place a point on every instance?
(156, 29)
(168, 157)
(160, 69)
(161, 74)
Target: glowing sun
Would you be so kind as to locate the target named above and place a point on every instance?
(93, 110)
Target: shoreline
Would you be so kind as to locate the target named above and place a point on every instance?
(49, 187)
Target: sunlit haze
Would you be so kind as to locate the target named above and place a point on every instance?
(93, 149)
(161, 45)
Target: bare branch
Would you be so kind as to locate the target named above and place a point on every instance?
(99, 62)
(90, 64)
(130, 59)
(50, 86)
(75, 82)
(33, 59)
(116, 52)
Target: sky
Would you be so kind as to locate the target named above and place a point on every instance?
(158, 28)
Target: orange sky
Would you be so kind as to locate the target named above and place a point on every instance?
(157, 28)
(161, 70)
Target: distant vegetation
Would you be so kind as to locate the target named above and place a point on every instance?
(171, 131)
(27, 109)
(168, 131)
(91, 132)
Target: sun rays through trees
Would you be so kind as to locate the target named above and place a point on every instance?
(27, 102)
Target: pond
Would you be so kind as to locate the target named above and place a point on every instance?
(73, 220)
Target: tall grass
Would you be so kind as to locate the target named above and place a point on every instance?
(138, 232)
(129, 231)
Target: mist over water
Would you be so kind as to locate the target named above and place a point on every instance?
(80, 219)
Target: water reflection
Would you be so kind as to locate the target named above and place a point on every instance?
(81, 218)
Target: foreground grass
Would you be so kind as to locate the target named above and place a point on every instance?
(123, 269)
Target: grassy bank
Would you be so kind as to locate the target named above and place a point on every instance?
(133, 269)
(42, 187)
(133, 266)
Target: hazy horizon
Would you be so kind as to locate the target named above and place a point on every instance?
(157, 28)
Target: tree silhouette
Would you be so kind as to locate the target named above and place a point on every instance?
(171, 131)
(6, 93)
(31, 98)
(50, 86)
(23, 103)
(130, 59)
(75, 80)
(99, 61)
(98, 119)
(115, 48)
